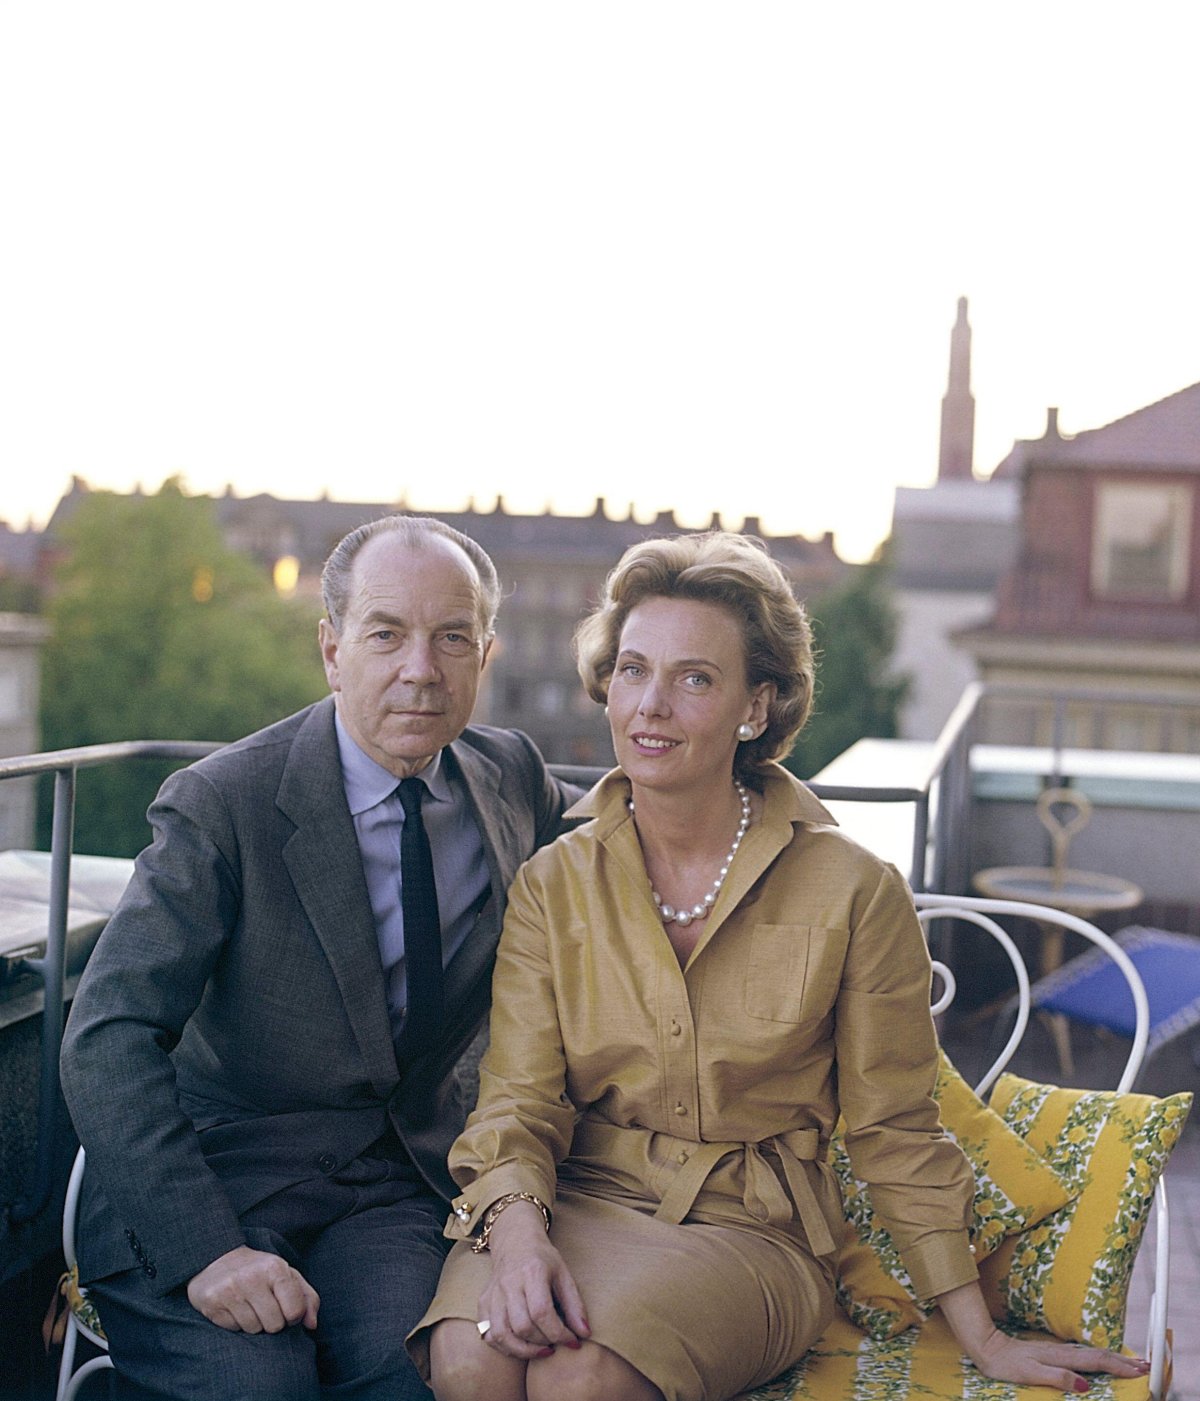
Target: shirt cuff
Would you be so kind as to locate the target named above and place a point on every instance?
(939, 1262)
(469, 1207)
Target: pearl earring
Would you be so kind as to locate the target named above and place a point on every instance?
(745, 731)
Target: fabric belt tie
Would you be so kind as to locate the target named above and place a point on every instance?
(764, 1197)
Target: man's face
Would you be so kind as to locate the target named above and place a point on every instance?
(405, 667)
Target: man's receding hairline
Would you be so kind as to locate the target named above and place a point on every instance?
(421, 540)
(417, 540)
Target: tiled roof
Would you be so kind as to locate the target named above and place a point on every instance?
(316, 526)
(313, 528)
(1165, 434)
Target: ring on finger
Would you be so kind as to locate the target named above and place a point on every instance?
(483, 1325)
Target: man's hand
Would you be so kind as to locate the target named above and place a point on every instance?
(252, 1291)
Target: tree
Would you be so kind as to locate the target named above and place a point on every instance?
(161, 632)
(854, 632)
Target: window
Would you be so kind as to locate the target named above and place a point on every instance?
(1140, 541)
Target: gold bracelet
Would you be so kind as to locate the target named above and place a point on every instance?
(489, 1220)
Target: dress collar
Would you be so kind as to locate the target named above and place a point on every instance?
(786, 799)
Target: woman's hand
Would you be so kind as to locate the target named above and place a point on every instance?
(532, 1302)
(1028, 1362)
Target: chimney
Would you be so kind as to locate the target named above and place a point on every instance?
(957, 447)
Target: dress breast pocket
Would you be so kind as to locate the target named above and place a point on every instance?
(794, 971)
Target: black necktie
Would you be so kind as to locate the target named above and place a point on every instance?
(422, 928)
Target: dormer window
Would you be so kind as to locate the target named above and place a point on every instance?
(1140, 541)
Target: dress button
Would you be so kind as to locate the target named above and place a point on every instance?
(681, 1158)
(676, 1029)
(149, 1271)
(680, 1110)
(326, 1162)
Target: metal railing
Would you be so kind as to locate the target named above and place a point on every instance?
(51, 967)
(941, 844)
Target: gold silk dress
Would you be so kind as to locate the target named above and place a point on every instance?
(676, 1120)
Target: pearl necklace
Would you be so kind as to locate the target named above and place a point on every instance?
(668, 913)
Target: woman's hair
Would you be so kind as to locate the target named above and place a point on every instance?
(735, 572)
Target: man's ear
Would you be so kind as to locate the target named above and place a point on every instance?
(328, 639)
(487, 652)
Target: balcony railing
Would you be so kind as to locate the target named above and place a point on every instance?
(50, 966)
(940, 853)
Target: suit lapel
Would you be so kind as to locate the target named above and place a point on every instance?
(323, 861)
(502, 848)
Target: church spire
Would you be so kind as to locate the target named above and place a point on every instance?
(957, 451)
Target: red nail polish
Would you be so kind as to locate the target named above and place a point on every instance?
(546, 1352)
(1082, 1384)
(574, 1345)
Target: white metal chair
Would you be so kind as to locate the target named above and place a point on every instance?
(81, 1312)
(982, 913)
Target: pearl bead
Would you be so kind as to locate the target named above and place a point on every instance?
(683, 917)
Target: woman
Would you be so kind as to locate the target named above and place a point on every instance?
(689, 989)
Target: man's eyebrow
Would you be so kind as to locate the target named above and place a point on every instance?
(381, 615)
(465, 622)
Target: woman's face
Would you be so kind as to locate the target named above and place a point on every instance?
(678, 693)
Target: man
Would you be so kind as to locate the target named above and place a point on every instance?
(266, 1110)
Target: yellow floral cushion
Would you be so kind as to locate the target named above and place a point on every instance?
(1014, 1189)
(925, 1363)
(1070, 1274)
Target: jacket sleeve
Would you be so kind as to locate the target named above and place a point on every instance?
(920, 1183)
(144, 980)
(524, 1122)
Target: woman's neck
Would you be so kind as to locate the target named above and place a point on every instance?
(681, 825)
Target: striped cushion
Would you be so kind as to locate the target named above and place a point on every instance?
(1070, 1274)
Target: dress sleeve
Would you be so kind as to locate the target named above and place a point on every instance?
(524, 1122)
(921, 1184)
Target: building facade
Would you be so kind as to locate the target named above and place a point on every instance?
(1104, 595)
(21, 638)
(951, 543)
(552, 569)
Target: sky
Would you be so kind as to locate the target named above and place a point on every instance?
(688, 255)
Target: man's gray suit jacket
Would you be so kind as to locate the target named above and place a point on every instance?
(230, 1035)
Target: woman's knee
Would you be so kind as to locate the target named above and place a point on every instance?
(591, 1373)
(464, 1368)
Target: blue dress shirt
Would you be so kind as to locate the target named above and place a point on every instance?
(460, 867)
